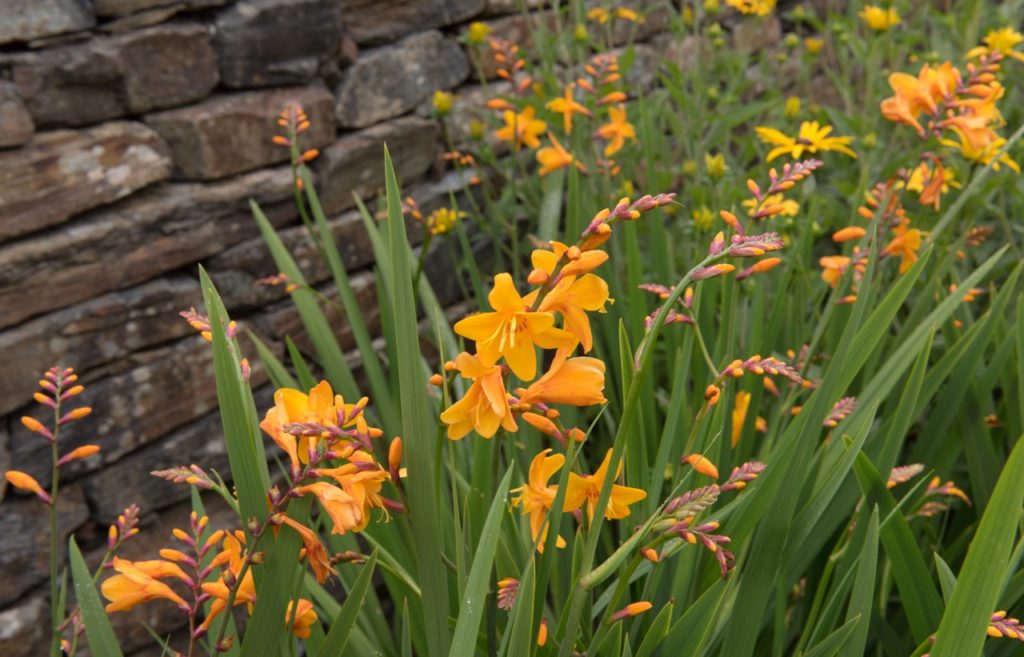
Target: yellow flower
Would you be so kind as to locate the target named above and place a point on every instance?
(442, 102)
(443, 220)
(536, 496)
(715, 164)
(574, 381)
(587, 489)
(814, 45)
(554, 157)
(629, 15)
(616, 131)
(345, 511)
(305, 616)
(231, 558)
(878, 18)
(599, 14)
(739, 415)
(812, 138)
(574, 262)
(477, 33)
(703, 217)
(792, 108)
(485, 405)
(138, 582)
(790, 208)
(905, 245)
(511, 331)
(567, 106)
(521, 128)
(572, 297)
(1002, 41)
(984, 154)
(757, 7)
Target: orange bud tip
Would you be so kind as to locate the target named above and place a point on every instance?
(630, 610)
(436, 379)
(702, 465)
(848, 234)
(27, 483)
(36, 426)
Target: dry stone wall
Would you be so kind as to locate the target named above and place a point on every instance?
(133, 134)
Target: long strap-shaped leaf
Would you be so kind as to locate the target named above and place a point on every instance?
(97, 626)
(962, 630)
(472, 603)
(341, 627)
(417, 426)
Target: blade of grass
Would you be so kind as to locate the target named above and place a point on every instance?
(341, 627)
(98, 630)
(417, 427)
(962, 630)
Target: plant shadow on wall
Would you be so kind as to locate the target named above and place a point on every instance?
(759, 459)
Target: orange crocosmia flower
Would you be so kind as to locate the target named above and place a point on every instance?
(361, 478)
(584, 262)
(832, 268)
(573, 381)
(485, 405)
(921, 94)
(511, 331)
(567, 106)
(316, 555)
(536, 496)
(573, 297)
(554, 157)
(292, 406)
(345, 511)
(616, 131)
(521, 128)
(305, 616)
(905, 245)
(587, 489)
(739, 415)
(138, 582)
(231, 557)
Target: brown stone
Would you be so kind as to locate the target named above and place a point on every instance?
(496, 7)
(62, 173)
(756, 34)
(389, 81)
(265, 43)
(16, 126)
(108, 8)
(355, 163)
(158, 230)
(687, 53)
(128, 481)
(91, 334)
(142, 19)
(372, 21)
(25, 526)
(5, 461)
(24, 20)
(107, 77)
(232, 133)
(24, 628)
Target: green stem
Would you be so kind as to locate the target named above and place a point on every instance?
(55, 613)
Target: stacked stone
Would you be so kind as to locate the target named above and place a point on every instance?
(133, 134)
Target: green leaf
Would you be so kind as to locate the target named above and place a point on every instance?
(97, 626)
(418, 423)
(947, 579)
(657, 632)
(962, 630)
(862, 596)
(279, 375)
(830, 645)
(341, 627)
(473, 601)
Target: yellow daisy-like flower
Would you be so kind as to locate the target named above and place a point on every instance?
(879, 19)
(756, 7)
(811, 139)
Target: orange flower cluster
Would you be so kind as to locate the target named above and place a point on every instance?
(952, 103)
(58, 386)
